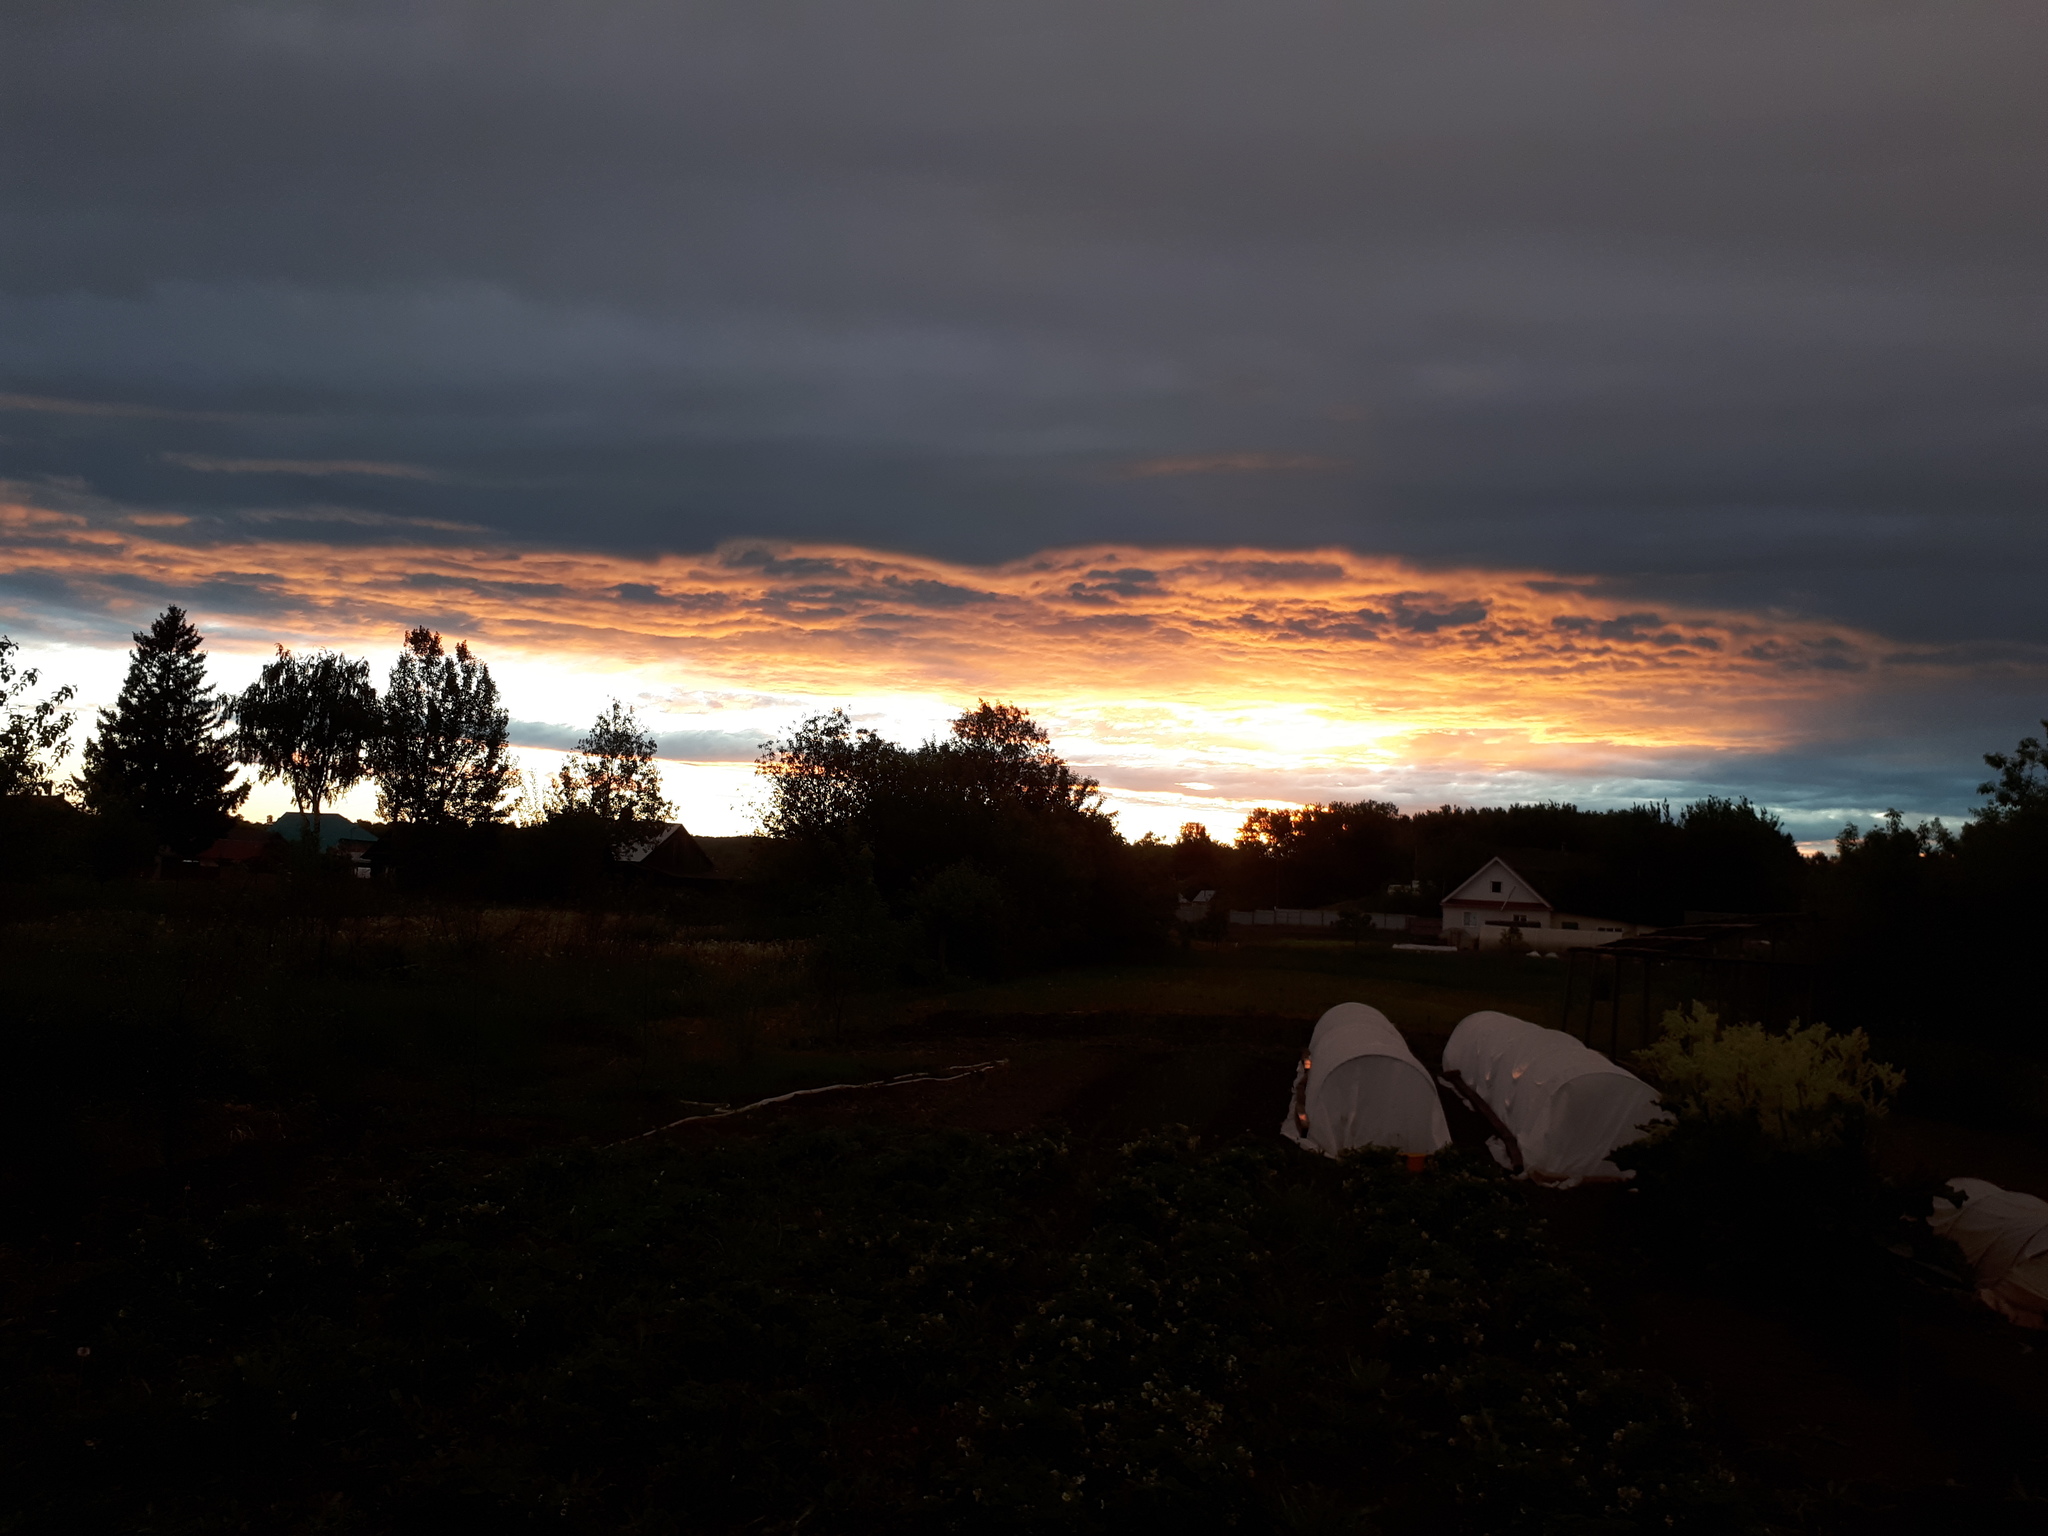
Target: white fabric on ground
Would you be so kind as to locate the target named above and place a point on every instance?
(2004, 1235)
(1362, 1087)
(1566, 1104)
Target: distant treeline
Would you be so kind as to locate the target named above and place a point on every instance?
(1928, 928)
(980, 851)
(1644, 864)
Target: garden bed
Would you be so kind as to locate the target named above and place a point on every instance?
(853, 1327)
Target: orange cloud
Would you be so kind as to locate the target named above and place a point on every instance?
(1259, 652)
(1191, 681)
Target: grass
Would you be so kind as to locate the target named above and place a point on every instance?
(415, 1019)
(1430, 993)
(853, 1329)
(412, 1020)
(337, 1153)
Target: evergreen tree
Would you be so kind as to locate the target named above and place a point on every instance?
(33, 738)
(439, 755)
(308, 720)
(611, 774)
(161, 754)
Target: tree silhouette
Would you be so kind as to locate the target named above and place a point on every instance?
(2021, 788)
(160, 753)
(439, 753)
(1320, 853)
(825, 777)
(307, 720)
(33, 738)
(1008, 758)
(611, 775)
(984, 840)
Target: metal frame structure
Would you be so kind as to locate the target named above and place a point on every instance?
(1749, 970)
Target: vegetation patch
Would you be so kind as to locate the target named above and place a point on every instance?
(1802, 1085)
(852, 1328)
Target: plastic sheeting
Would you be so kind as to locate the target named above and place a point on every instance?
(2004, 1235)
(1563, 1107)
(1360, 1086)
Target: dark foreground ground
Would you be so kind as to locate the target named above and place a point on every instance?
(1088, 1288)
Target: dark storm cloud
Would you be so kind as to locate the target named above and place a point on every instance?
(1724, 303)
(1412, 611)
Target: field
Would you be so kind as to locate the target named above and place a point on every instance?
(1424, 993)
(339, 1216)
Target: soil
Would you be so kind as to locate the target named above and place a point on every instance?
(1919, 1427)
(1922, 1428)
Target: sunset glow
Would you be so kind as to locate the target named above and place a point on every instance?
(1194, 682)
(778, 557)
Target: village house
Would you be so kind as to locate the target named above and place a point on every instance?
(247, 850)
(670, 851)
(338, 835)
(1497, 902)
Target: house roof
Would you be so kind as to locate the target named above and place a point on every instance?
(638, 851)
(334, 830)
(1478, 891)
(670, 850)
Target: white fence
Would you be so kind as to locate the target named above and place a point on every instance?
(1551, 939)
(1317, 917)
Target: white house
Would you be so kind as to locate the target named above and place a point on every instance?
(1480, 913)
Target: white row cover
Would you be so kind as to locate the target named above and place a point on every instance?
(2004, 1235)
(1360, 1086)
(1566, 1106)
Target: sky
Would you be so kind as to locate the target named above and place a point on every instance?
(1436, 402)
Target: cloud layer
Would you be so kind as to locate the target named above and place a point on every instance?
(1374, 641)
(1186, 674)
(1602, 399)
(1733, 303)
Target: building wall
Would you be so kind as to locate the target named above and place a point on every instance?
(1322, 917)
(1551, 940)
(1478, 916)
(1613, 927)
(1471, 920)
(1487, 933)
(1513, 891)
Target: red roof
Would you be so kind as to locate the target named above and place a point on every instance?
(240, 850)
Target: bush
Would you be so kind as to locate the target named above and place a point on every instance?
(1763, 1187)
(1803, 1087)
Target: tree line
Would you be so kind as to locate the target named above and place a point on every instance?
(167, 756)
(1641, 863)
(982, 849)
(1651, 864)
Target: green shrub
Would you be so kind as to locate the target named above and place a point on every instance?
(1803, 1087)
(1763, 1190)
